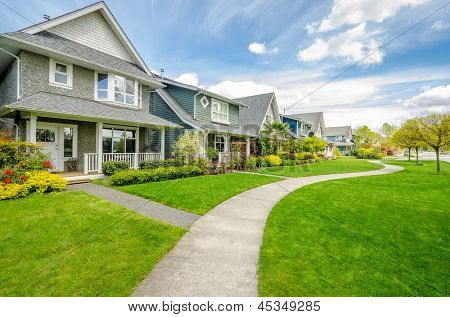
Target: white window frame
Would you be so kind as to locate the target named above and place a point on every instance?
(111, 91)
(53, 71)
(222, 141)
(268, 121)
(119, 127)
(222, 104)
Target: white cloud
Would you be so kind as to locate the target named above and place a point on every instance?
(351, 45)
(261, 49)
(432, 99)
(439, 25)
(188, 78)
(235, 89)
(355, 12)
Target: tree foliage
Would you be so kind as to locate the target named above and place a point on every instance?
(275, 133)
(314, 144)
(365, 137)
(187, 147)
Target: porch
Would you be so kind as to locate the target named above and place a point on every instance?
(227, 145)
(93, 161)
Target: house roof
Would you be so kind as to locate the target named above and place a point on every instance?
(252, 117)
(107, 15)
(315, 118)
(204, 126)
(51, 44)
(334, 131)
(77, 108)
(294, 118)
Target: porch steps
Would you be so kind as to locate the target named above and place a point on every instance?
(81, 179)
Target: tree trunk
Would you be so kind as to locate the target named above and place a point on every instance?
(438, 163)
(417, 156)
(409, 154)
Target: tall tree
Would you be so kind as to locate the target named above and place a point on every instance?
(365, 137)
(387, 130)
(434, 130)
(275, 132)
(314, 144)
(407, 137)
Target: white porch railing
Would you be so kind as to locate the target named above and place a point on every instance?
(225, 157)
(92, 163)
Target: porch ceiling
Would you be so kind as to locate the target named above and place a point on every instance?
(79, 109)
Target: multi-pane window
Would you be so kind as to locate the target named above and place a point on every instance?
(219, 111)
(117, 140)
(116, 88)
(45, 135)
(219, 143)
(68, 142)
(268, 119)
(60, 74)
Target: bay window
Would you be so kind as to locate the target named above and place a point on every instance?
(118, 140)
(219, 111)
(117, 89)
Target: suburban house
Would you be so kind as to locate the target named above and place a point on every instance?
(299, 128)
(341, 137)
(76, 85)
(315, 119)
(215, 117)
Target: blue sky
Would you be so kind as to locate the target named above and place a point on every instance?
(240, 48)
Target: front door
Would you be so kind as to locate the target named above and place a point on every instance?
(47, 138)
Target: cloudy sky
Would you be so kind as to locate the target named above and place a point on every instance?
(240, 48)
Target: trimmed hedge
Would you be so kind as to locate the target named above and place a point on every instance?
(154, 175)
(111, 167)
(163, 163)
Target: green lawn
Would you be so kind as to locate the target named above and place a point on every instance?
(74, 244)
(198, 194)
(342, 165)
(369, 236)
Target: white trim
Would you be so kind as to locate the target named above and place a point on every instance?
(204, 101)
(162, 141)
(106, 13)
(52, 72)
(275, 111)
(221, 103)
(111, 91)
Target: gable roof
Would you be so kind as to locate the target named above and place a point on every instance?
(60, 48)
(315, 118)
(202, 126)
(252, 117)
(76, 108)
(334, 131)
(103, 9)
(295, 118)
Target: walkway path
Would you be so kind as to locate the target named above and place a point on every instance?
(219, 255)
(143, 206)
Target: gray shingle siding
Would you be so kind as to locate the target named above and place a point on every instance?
(8, 84)
(35, 78)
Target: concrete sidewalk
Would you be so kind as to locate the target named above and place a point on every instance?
(219, 255)
(143, 206)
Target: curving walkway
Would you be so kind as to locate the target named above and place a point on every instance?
(219, 255)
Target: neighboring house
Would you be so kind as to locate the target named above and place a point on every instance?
(315, 119)
(299, 128)
(215, 117)
(341, 137)
(76, 85)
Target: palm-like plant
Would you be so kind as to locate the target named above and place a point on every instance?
(275, 132)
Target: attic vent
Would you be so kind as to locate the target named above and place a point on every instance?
(204, 101)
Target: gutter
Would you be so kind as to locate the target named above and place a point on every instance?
(18, 71)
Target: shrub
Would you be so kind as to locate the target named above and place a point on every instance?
(370, 153)
(23, 155)
(163, 163)
(288, 162)
(202, 163)
(273, 160)
(212, 154)
(390, 152)
(111, 167)
(250, 162)
(216, 168)
(44, 182)
(260, 162)
(336, 152)
(304, 156)
(187, 147)
(154, 175)
(13, 191)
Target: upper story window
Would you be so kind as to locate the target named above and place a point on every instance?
(61, 74)
(117, 89)
(219, 111)
(268, 119)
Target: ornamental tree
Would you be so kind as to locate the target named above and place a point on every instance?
(314, 144)
(187, 147)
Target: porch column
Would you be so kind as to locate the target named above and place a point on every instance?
(227, 143)
(99, 145)
(247, 148)
(163, 143)
(31, 128)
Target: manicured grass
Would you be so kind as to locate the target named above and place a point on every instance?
(74, 244)
(198, 194)
(369, 236)
(342, 165)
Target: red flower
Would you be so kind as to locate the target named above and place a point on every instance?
(23, 179)
(47, 164)
(6, 181)
(9, 172)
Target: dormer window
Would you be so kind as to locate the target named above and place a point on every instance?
(219, 111)
(117, 89)
(60, 74)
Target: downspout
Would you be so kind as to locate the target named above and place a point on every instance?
(18, 71)
(195, 102)
(15, 126)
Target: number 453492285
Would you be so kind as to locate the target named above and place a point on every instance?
(289, 305)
